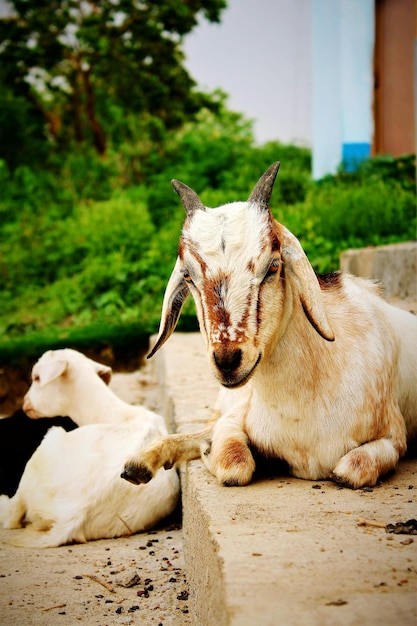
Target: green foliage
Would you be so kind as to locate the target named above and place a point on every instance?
(216, 156)
(200, 159)
(22, 137)
(88, 244)
(126, 341)
(369, 212)
(374, 206)
(401, 170)
(39, 251)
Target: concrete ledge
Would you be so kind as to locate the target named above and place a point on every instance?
(395, 266)
(283, 550)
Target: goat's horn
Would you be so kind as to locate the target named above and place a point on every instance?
(190, 200)
(262, 191)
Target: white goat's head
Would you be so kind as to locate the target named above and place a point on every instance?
(57, 379)
(246, 272)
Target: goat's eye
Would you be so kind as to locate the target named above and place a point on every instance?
(187, 277)
(273, 268)
(36, 378)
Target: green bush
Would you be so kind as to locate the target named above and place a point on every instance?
(89, 250)
(127, 342)
(353, 211)
(38, 252)
(372, 212)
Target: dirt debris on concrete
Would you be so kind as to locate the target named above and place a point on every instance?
(403, 528)
(132, 580)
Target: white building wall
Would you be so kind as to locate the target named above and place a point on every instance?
(342, 83)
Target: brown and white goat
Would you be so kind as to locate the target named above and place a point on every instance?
(319, 371)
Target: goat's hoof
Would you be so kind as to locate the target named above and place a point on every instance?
(341, 481)
(136, 474)
(234, 479)
(232, 482)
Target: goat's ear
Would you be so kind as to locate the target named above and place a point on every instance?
(299, 268)
(50, 371)
(176, 294)
(104, 372)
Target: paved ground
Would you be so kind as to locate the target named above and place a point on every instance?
(293, 552)
(135, 580)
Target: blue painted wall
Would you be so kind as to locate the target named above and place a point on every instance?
(342, 81)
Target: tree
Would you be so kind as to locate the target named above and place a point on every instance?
(75, 61)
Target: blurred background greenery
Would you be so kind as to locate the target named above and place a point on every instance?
(97, 115)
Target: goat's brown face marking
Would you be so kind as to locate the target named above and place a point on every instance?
(230, 257)
(215, 293)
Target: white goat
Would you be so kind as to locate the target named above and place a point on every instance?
(319, 371)
(71, 490)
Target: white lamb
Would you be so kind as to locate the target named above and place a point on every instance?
(71, 490)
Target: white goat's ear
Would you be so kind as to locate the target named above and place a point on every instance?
(50, 371)
(299, 268)
(104, 372)
(176, 294)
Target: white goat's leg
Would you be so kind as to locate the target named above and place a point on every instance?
(166, 452)
(364, 465)
(45, 536)
(12, 511)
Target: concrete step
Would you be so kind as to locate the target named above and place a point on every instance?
(394, 266)
(283, 550)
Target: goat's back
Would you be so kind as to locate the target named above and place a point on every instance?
(405, 329)
(403, 325)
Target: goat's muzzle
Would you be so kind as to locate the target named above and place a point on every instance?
(29, 409)
(229, 367)
(227, 361)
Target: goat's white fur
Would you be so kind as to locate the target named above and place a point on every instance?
(322, 374)
(71, 489)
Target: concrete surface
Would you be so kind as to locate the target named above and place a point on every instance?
(130, 580)
(283, 550)
(395, 266)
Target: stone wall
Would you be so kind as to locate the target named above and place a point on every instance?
(395, 266)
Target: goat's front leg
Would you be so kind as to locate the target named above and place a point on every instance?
(229, 457)
(166, 452)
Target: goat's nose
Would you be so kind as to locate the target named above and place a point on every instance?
(227, 360)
